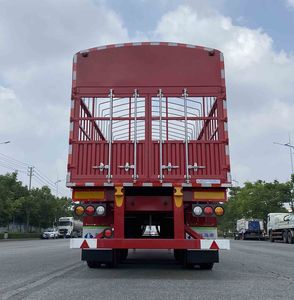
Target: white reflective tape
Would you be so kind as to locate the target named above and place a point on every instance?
(71, 126)
(221, 57)
(186, 184)
(221, 244)
(128, 184)
(77, 243)
(208, 49)
(208, 181)
(70, 149)
(119, 45)
(85, 51)
(101, 48)
(108, 184)
(206, 185)
(137, 44)
(167, 184)
(225, 104)
(227, 150)
(226, 126)
(70, 184)
(229, 178)
(227, 185)
(223, 73)
(147, 184)
(75, 59)
(190, 46)
(74, 75)
(89, 183)
(68, 177)
(154, 43)
(172, 44)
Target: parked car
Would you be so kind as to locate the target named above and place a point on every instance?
(50, 233)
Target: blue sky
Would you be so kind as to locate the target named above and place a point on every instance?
(39, 38)
(274, 16)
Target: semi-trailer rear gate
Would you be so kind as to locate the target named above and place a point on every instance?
(142, 138)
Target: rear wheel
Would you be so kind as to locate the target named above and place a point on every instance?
(290, 237)
(285, 237)
(93, 264)
(123, 254)
(206, 266)
(271, 237)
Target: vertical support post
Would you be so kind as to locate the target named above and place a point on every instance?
(187, 176)
(160, 135)
(119, 213)
(179, 226)
(110, 134)
(135, 135)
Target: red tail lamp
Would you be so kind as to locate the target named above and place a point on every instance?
(107, 233)
(90, 210)
(208, 210)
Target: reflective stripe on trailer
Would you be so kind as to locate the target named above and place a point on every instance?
(216, 244)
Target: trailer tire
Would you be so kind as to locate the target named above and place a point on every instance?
(178, 254)
(285, 236)
(206, 266)
(93, 264)
(290, 237)
(271, 239)
(123, 254)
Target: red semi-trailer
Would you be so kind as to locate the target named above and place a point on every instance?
(148, 159)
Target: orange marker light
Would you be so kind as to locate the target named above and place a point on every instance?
(79, 210)
(219, 211)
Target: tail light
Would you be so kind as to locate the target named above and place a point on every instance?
(79, 210)
(219, 211)
(90, 210)
(202, 210)
(197, 210)
(100, 210)
(107, 233)
(208, 210)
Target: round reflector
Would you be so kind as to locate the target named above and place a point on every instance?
(90, 210)
(79, 210)
(197, 210)
(208, 210)
(100, 210)
(107, 233)
(219, 211)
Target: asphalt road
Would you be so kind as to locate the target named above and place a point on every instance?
(48, 269)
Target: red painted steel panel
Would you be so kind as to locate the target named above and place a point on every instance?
(148, 66)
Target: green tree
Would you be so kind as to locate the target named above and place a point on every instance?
(254, 201)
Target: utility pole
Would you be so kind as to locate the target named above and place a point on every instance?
(291, 147)
(30, 174)
(56, 184)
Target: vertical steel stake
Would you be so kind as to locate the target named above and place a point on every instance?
(110, 134)
(185, 94)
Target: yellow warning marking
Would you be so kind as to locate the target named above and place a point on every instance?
(201, 195)
(91, 195)
(178, 196)
(119, 196)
